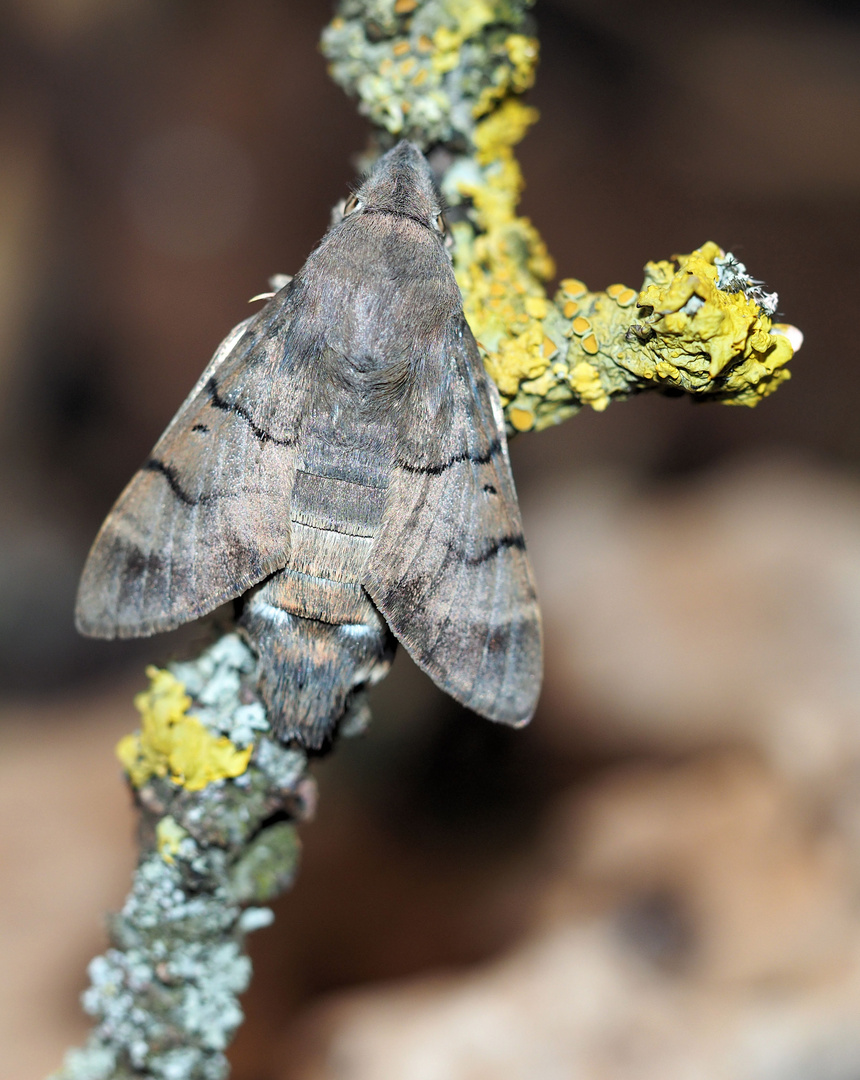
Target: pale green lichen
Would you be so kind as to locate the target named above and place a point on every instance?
(426, 71)
(214, 680)
(268, 866)
(165, 998)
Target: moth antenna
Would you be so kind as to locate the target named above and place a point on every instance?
(276, 282)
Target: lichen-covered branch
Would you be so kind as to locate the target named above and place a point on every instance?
(449, 74)
(219, 798)
(219, 803)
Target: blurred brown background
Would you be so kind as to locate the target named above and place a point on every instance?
(660, 876)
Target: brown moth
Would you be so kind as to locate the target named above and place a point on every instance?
(341, 465)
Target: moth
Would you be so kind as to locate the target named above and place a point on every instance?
(340, 466)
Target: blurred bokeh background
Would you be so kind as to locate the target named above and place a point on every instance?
(660, 877)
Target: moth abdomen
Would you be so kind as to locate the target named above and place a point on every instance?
(337, 505)
(310, 669)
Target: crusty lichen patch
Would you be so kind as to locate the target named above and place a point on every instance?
(704, 337)
(692, 327)
(172, 744)
(426, 71)
(169, 835)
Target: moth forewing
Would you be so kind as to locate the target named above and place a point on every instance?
(449, 570)
(207, 516)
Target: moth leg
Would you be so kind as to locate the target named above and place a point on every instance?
(311, 671)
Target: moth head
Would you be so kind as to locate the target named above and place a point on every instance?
(401, 182)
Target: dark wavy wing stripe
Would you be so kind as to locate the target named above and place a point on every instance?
(213, 390)
(473, 457)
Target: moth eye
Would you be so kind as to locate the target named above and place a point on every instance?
(352, 203)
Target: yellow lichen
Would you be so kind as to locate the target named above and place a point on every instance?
(467, 18)
(169, 835)
(573, 288)
(523, 52)
(521, 419)
(585, 382)
(542, 385)
(502, 268)
(495, 137)
(519, 356)
(536, 306)
(470, 16)
(621, 294)
(590, 345)
(706, 339)
(446, 50)
(171, 743)
(515, 76)
(548, 347)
